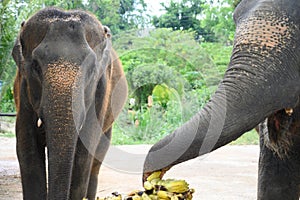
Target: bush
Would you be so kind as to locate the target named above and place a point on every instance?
(171, 67)
(7, 104)
(162, 56)
(150, 124)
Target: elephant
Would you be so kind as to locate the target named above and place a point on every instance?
(260, 87)
(69, 88)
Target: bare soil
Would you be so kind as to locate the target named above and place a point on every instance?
(229, 173)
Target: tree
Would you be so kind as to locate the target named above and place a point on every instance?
(12, 12)
(183, 15)
(119, 15)
(211, 20)
(218, 21)
(73, 4)
(163, 56)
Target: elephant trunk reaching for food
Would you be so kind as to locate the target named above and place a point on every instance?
(262, 78)
(69, 88)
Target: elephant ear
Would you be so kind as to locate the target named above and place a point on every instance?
(106, 55)
(17, 51)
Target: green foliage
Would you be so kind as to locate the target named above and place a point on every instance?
(178, 72)
(12, 13)
(139, 126)
(150, 124)
(181, 15)
(74, 4)
(220, 55)
(162, 56)
(7, 134)
(7, 101)
(145, 78)
(163, 94)
(175, 70)
(249, 138)
(211, 21)
(218, 22)
(119, 15)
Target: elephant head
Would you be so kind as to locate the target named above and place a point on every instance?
(262, 79)
(69, 88)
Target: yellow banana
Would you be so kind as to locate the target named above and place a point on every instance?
(145, 196)
(157, 189)
(136, 198)
(148, 185)
(154, 175)
(163, 195)
(174, 198)
(155, 181)
(153, 197)
(176, 186)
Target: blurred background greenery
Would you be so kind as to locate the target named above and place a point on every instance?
(174, 54)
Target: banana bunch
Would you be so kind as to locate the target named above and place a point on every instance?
(169, 189)
(115, 196)
(158, 189)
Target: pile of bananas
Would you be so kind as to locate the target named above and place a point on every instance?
(158, 189)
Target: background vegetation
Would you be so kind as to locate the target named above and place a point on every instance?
(173, 62)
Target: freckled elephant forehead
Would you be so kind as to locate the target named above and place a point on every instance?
(63, 76)
(265, 29)
(72, 17)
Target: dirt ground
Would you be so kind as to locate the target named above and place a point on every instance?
(229, 173)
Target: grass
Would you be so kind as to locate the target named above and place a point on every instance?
(4, 130)
(8, 119)
(249, 138)
(7, 134)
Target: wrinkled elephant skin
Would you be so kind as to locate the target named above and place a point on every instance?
(69, 88)
(261, 85)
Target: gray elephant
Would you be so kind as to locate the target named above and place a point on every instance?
(69, 88)
(261, 84)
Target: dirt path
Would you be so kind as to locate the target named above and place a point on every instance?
(229, 173)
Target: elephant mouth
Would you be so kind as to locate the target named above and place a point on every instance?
(280, 130)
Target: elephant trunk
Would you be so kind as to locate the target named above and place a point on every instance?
(62, 114)
(257, 83)
(61, 143)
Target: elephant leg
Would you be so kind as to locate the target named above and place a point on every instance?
(276, 177)
(31, 156)
(99, 157)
